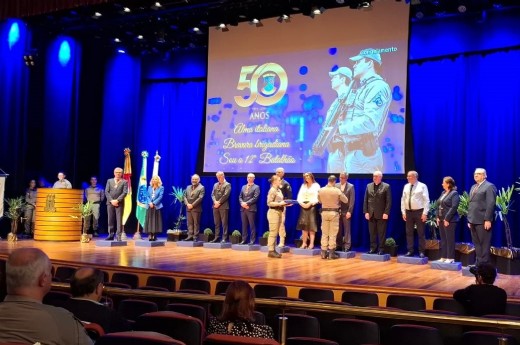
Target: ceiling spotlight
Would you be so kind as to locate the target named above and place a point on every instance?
(256, 22)
(462, 9)
(29, 60)
(97, 15)
(117, 40)
(126, 10)
(284, 18)
(121, 51)
(156, 6)
(222, 27)
(317, 11)
(140, 37)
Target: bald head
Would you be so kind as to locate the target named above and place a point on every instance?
(87, 282)
(28, 273)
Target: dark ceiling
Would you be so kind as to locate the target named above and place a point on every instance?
(149, 27)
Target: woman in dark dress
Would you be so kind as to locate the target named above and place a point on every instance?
(153, 223)
(447, 218)
(237, 314)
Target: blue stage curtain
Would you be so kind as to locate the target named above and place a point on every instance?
(14, 79)
(466, 114)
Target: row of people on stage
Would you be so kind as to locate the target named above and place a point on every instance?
(336, 210)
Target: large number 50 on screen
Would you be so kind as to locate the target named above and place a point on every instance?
(267, 69)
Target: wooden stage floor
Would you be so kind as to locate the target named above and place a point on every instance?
(292, 269)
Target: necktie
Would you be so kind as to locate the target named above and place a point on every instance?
(474, 190)
(410, 197)
(247, 189)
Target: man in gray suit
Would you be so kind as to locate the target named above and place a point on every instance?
(248, 198)
(481, 211)
(193, 196)
(346, 211)
(220, 198)
(376, 207)
(115, 191)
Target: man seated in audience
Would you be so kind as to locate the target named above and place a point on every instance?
(483, 298)
(23, 317)
(86, 287)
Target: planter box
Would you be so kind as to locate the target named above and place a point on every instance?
(506, 266)
(262, 241)
(235, 239)
(298, 243)
(176, 237)
(392, 250)
(432, 244)
(433, 254)
(465, 259)
(207, 238)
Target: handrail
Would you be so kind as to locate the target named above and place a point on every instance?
(285, 305)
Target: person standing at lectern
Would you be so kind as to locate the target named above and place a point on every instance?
(286, 189)
(29, 211)
(62, 182)
(248, 198)
(153, 223)
(376, 207)
(220, 198)
(346, 210)
(115, 192)
(481, 212)
(193, 196)
(330, 198)
(415, 204)
(96, 195)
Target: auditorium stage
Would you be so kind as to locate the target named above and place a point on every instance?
(291, 270)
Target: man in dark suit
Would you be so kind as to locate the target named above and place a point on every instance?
(481, 211)
(193, 196)
(220, 198)
(346, 210)
(376, 207)
(115, 191)
(86, 287)
(248, 198)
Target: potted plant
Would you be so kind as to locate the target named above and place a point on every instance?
(178, 194)
(14, 212)
(236, 237)
(263, 240)
(175, 235)
(390, 247)
(465, 253)
(208, 235)
(431, 222)
(84, 211)
(506, 257)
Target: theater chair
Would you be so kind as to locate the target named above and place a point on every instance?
(126, 278)
(449, 304)
(404, 302)
(486, 338)
(309, 341)
(269, 291)
(193, 310)
(94, 330)
(185, 328)
(355, 332)
(217, 339)
(298, 325)
(513, 309)
(415, 335)
(195, 284)
(316, 295)
(64, 273)
(360, 299)
(56, 298)
(325, 318)
(221, 287)
(131, 309)
(137, 338)
(161, 281)
(259, 317)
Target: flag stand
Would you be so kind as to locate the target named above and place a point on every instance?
(137, 235)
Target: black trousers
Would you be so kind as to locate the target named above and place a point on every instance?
(481, 238)
(193, 223)
(413, 218)
(447, 240)
(115, 218)
(377, 231)
(220, 216)
(248, 218)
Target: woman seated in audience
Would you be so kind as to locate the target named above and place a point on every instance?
(237, 314)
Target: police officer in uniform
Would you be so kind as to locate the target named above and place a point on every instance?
(96, 195)
(286, 190)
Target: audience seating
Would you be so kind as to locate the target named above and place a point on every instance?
(316, 295)
(449, 304)
(161, 281)
(221, 287)
(259, 317)
(309, 341)
(137, 338)
(269, 291)
(405, 302)
(131, 309)
(415, 335)
(193, 310)
(185, 328)
(355, 332)
(218, 339)
(195, 284)
(325, 318)
(118, 285)
(486, 338)
(513, 309)
(56, 298)
(94, 330)
(125, 278)
(64, 273)
(298, 325)
(360, 299)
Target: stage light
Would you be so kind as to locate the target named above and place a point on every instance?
(156, 6)
(121, 51)
(117, 40)
(222, 27)
(30, 60)
(284, 18)
(140, 37)
(127, 10)
(317, 11)
(97, 15)
(256, 22)
(462, 9)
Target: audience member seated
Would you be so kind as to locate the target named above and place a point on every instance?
(86, 287)
(237, 316)
(482, 298)
(23, 316)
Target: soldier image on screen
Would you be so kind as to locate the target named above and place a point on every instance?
(366, 115)
(328, 138)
